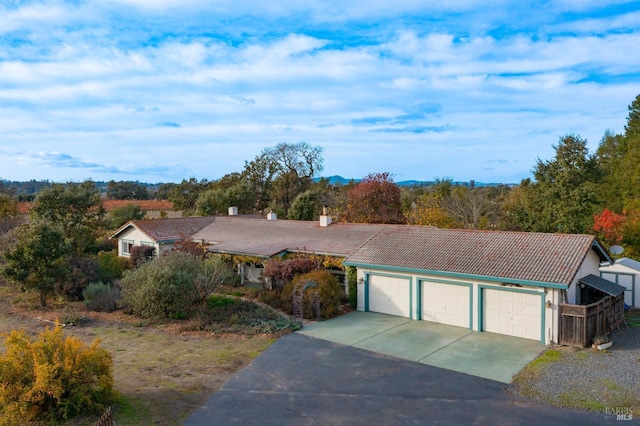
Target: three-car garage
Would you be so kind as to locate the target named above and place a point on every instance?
(478, 306)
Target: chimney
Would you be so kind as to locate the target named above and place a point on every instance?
(271, 215)
(325, 219)
(233, 211)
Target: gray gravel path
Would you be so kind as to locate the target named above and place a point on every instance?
(601, 381)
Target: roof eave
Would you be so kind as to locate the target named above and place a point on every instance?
(529, 283)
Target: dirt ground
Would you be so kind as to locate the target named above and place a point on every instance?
(161, 373)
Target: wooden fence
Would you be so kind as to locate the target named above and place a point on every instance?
(579, 324)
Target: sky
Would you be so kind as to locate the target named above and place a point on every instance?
(165, 90)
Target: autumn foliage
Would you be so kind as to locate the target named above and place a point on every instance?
(377, 199)
(52, 378)
(610, 226)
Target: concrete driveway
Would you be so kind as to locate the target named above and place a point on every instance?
(487, 355)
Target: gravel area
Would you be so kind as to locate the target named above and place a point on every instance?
(591, 379)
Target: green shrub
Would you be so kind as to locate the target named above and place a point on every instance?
(52, 378)
(101, 297)
(247, 317)
(172, 286)
(111, 267)
(215, 301)
(161, 288)
(352, 285)
(329, 291)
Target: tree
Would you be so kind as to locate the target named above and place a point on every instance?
(471, 207)
(427, 210)
(566, 188)
(39, 259)
(260, 173)
(609, 226)
(123, 214)
(8, 205)
(306, 206)
(217, 200)
(185, 195)
(77, 209)
(376, 199)
(127, 191)
(520, 208)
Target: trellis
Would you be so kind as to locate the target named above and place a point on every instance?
(298, 298)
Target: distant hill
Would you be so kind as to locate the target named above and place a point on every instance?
(339, 180)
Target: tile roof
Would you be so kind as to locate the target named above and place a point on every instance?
(518, 256)
(168, 230)
(265, 238)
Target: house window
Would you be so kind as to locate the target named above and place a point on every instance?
(127, 245)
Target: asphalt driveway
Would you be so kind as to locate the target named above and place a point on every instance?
(487, 355)
(301, 380)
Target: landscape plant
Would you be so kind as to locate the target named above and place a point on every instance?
(52, 378)
(329, 291)
(101, 297)
(171, 286)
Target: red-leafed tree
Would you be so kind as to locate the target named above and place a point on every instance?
(377, 199)
(610, 226)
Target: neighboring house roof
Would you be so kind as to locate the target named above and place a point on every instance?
(266, 238)
(629, 263)
(515, 257)
(605, 286)
(167, 230)
(145, 205)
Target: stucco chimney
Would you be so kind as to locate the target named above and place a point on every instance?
(271, 215)
(233, 211)
(325, 219)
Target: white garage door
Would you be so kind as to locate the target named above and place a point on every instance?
(513, 313)
(445, 303)
(390, 295)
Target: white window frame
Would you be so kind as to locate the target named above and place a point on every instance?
(126, 247)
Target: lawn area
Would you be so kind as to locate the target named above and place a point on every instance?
(161, 372)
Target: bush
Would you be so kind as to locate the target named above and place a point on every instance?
(161, 288)
(352, 283)
(111, 267)
(329, 291)
(283, 271)
(101, 297)
(171, 286)
(247, 318)
(83, 271)
(52, 378)
(140, 254)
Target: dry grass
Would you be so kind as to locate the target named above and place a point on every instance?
(161, 373)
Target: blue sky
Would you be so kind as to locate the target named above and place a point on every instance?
(163, 90)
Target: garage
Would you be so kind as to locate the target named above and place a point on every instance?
(390, 295)
(512, 312)
(446, 303)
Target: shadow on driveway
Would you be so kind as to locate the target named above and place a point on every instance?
(301, 380)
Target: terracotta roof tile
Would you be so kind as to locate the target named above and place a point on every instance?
(553, 258)
(265, 238)
(166, 230)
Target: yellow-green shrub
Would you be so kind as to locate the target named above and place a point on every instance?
(52, 377)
